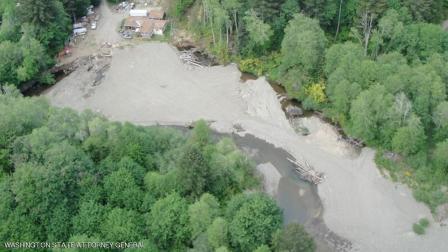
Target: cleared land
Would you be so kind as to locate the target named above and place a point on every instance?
(147, 84)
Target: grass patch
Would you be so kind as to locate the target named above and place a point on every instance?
(426, 182)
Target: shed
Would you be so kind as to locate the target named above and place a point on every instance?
(138, 13)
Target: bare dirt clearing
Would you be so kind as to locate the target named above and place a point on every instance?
(147, 84)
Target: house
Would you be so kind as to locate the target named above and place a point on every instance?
(147, 29)
(158, 14)
(144, 26)
(133, 23)
(138, 13)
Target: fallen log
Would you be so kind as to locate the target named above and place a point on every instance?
(307, 172)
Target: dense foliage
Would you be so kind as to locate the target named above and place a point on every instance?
(31, 33)
(78, 177)
(379, 69)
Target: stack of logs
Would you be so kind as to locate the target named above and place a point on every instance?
(307, 172)
(188, 57)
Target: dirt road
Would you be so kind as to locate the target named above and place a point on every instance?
(106, 31)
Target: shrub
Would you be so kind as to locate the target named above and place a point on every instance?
(418, 229)
(424, 222)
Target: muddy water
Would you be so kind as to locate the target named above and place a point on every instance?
(298, 199)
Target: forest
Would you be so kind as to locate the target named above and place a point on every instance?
(377, 69)
(77, 177)
(32, 32)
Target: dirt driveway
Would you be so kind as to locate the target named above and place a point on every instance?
(106, 31)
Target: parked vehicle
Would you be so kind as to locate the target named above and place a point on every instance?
(93, 26)
(127, 35)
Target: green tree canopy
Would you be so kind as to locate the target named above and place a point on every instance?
(122, 225)
(254, 223)
(302, 53)
(202, 213)
(218, 233)
(371, 115)
(168, 222)
(293, 237)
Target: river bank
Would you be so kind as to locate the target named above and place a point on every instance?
(147, 84)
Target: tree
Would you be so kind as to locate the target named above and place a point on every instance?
(440, 156)
(180, 6)
(50, 20)
(302, 53)
(260, 33)
(193, 170)
(323, 10)
(202, 213)
(160, 185)
(37, 12)
(402, 107)
(342, 55)
(9, 28)
(254, 223)
(368, 11)
(293, 237)
(385, 36)
(233, 7)
(76, 8)
(421, 41)
(10, 59)
(222, 249)
(137, 171)
(371, 116)
(19, 117)
(343, 95)
(78, 238)
(59, 227)
(262, 248)
(30, 186)
(35, 58)
(89, 218)
(216, 18)
(201, 134)
(168, 222)
(122, 191)
(409, 139)
(428, 10)
(122, 225)
(218, 233)
(440, 118)
(424, 98)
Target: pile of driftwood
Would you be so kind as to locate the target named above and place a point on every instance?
(188, 57)
(307, 172)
